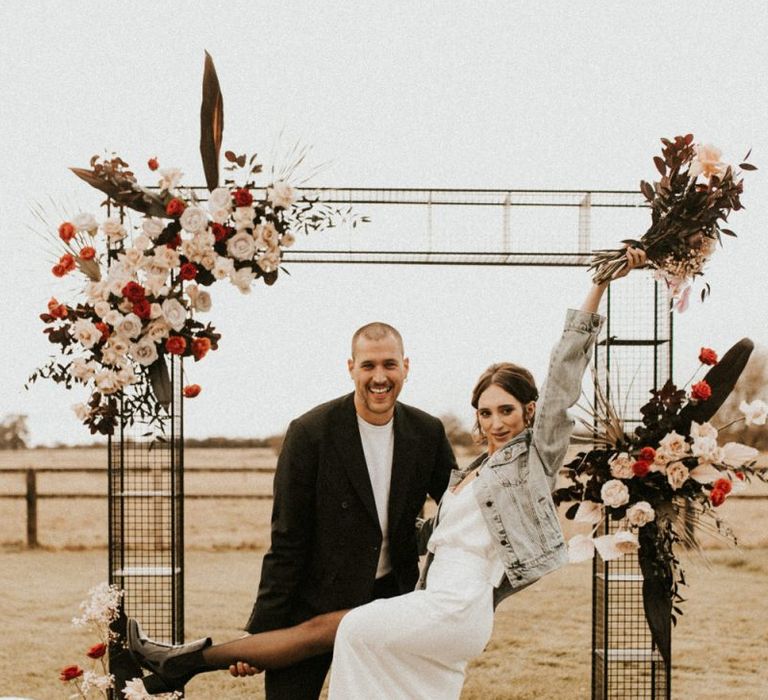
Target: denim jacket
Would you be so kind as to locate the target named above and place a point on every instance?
(515, 483)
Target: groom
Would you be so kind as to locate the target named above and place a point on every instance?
(350, 481)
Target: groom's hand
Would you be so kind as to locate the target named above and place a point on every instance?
(242, 669)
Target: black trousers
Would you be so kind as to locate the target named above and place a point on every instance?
(304, 680)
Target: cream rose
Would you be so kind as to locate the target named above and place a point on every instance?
(86, 333)
(580, 548)
(144, 352)
(96, 291)
(266, 236)
(621, 466)
(82, 369)
(194, 220)
(174, 313)
(707, 449)
(113, 317)
(281, 194)
(707, 161)
(677, 475)
(85, 222)
(223, 267)
(106, 381)
(102, 308)
(130, 326)
(157, 330)
(220, 198)
(703, 430)
(641, 513)
(287, 240)
(269, 262)
(81, 411)
(170, 178)
(614, 493)
(152, 227)
(674, 444)
(241, 246)
(244, 218)
(755, 413)
(113, 229)
(242, 279)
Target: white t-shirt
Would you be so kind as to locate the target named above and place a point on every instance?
(378, 448)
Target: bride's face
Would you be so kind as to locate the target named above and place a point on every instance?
(501, 416)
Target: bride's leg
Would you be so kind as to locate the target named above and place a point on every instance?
(278, 648)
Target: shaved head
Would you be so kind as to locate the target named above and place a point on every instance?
(377, 331)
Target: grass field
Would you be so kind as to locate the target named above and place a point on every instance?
(540, 646)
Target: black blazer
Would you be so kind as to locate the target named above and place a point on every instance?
(325, 530)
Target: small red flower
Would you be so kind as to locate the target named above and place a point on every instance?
(717, 497)
(87, 253)
(723, 485)
(57, 310)
(243, 198)
(58, 270)
(175, 207)
(67, 261)
(142, 308)
(200, 347)
(641, 467)
(67, 232)
(188, 271)
(97, 651)
(134, 292)
(192, 390)
(219, 231)
(701, 391)
(647, 454)
(69, 673)
(152, 164)
(175, 242)
(708, 356)
(103, 329)
(176, 345)
(740, 476)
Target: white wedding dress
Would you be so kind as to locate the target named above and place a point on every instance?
(417, 645)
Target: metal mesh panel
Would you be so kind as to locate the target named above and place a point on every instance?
(146, 543)
(633, 355)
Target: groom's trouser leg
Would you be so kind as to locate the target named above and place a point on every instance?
(303, 681)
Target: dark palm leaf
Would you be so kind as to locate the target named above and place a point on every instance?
(211, 123)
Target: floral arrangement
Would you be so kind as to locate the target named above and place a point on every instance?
(145, 283)
(686, 216)
(99, 613)
(653, 484)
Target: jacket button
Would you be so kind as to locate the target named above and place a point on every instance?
(489, 503)
(345, 504)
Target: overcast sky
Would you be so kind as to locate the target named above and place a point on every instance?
(393, 94)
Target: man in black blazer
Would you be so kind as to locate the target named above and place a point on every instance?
(352, 477)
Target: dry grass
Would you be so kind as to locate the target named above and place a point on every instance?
(540, 646)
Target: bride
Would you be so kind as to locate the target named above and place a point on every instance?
(496, 531)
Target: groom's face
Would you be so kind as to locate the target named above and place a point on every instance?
(378, 369)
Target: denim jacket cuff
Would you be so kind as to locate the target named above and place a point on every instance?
(583, 321)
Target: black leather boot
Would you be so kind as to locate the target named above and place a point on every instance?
(171, 666)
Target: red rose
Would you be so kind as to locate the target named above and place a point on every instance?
(142, 308)
(67, 261)
(200, 347)
(152, 164)
(175, 242)
(176, 345)
(701, 391)
(708, 356)
(59, 270)
(133, 291)
(87, 253)
(69, 673)
(641, 467)
(67, 232)
(647, 454)
(192, 390)
(103, 329)
(188, 271)
(175, 207)
(219, 231)
(717, 497)
(97, 651)
(723, 485)
(243, 198)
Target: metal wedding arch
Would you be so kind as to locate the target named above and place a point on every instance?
(469, 227)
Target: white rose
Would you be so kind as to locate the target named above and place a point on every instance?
(281, 194)
(703, 430)
(266, 236)
(152, 227)
(131, 259)
(220, 216)
(614, 546)
(244, 217)
(144, 352)
(201, 300)
(580, 548)
(220, 199)
(126, 306)
(208, 259)
(85, 222)
(125, 376)
(109, 356)
(169, 178)
(82, 369)
(707, 161)
(81, 411)
(142, 243)
(113, 229)
(223, 267)
(621, 466)
(86, 333)
(106, 382)
(155, 310)
(168, 257)
(102, 308)
(755, 412)
(118, 343)
(174, 313)
(287, 240)
(130, 326)
(241, 246)
(96, 291)
(113, 317)
(677, 475)
(155, 284)
(641, 513)
(674, 444)
(157, 330)
(707, 449)
(269, 262)
(614, 493)
(194, 220)
(242, 279)
(660, 461)
(589, 512)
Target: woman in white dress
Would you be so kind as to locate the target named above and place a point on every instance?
(496, 531)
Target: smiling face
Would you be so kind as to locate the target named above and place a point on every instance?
(378, 369)
(501, 416)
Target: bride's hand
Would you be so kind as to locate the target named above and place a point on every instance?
(635, 258)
